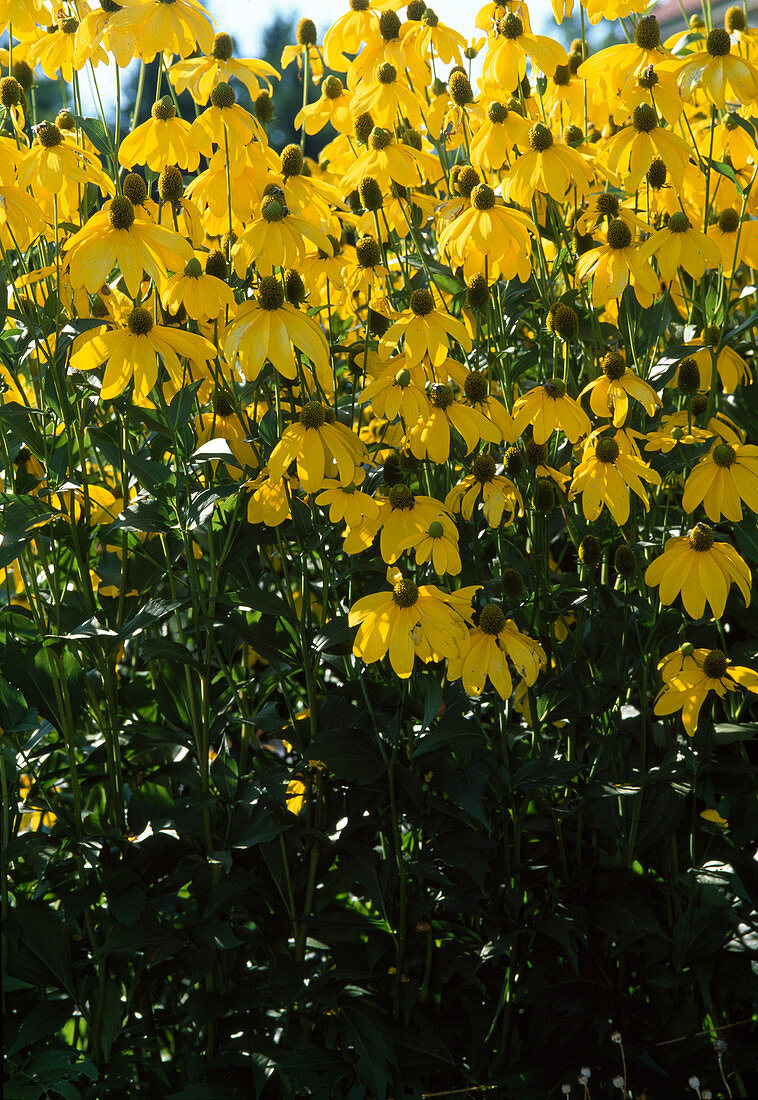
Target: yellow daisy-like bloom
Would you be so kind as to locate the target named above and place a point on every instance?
(226, 125)
(347, 503)
(489, 236)
(267, 328)
(425, 331)
(269, 499)
(700, 570)
(492, 643)
(718, 73)
(722, 479)
(160, 141)
(615, 265)
(548, 407)
(20, 218)
(411, 620)
(54, 51)
(275, 238)
(351, 30)
(387, 160)
(604, 477)
(499, 496)
(203, 295)
(510, 44)
(736, 241)
(703, 672)
(679, 244)
(430, 437)
(493, 144)
(225, 422)
(115, 235)
(134, 350)
(674, 429)
(633, 149)
(313, 441)
(332, 108)
(404, 515)
(52, 160)
(200, 75)
(398, 391)
(438, 545)
(181, 26)
(610, 393)
(385, 96)
(550, 167)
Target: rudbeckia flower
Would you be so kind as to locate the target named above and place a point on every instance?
(428, 36)
(550, 167)
(226, 125)
(673, 430)
(275, 238)
(425, 331)
(494, 142)
(615, 265)
(430, 437)
(737, 241)
(499, 496)
(54, 51)
(722, 479)
(267, 327)
(385, 97)
(700, 570)
(350, 30)
(617, 66)
(134, 351)
(703, 672)
(631, 152)
(488, 235)
(202, 294)
(510, 45)
(348, 503)
(269, 499)
(412, 620)
(610, 393)
(334, 107)
(679, 244)
(306, 50)
(182, 27)
(398, 391)
(312, 442)
(116, 236)
(387, 160)
(719, 74)
(53, 160)
(604, 477)
(160, 141)
(200, 75)
(437, 543)
(548, 407)
(492, 643)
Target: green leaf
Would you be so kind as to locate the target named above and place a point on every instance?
(42, 1021)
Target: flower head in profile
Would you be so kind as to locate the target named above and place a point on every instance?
(550, 167)
(701, 672)
(721, 75)
(425, 330)
(488, 236)
(610, 393)
(722, 480)
(548, 407)
(200, 75)
(699, 569)
(499, 496)
(680, 244)
(617, 264)
(494, 642)
(604, 477)
(313, 441)
(411, 620)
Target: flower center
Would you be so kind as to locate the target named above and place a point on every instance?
(367, 251)
(511, 26)
(389, 25)
(223, 47)
(270, 293)
(657, 173)
(170, 184)
(313, 415)
(554, 388)
(306, 35)
(482, 197)
(484, 468)
(400, 496)
(734, 20)
(648, 34)
(536, 453)
(139, 322)
(606, 450)
(332, 88)
(386, 73)
(48, 135)
(619, 235)
(475, 387)
(715, 664)
(540, 138)
(491, 619)
(379, 139)
(164, 109)
(497, 112)
(194, 268)
(405, 593)
(679, 222)
(436, 530)
(134, 188)
(701, 537)
(292, 160)
(608, 205)
(422, 302)
(728, 221)
(718, 43)
(562, 76)
(644, 118)
(121, 213)
(223, 96)
(724, 455)
(441, 396)
(614, 366)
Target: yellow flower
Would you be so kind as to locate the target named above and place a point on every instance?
(705, 671)
(313, 441)
(115, 235)
(347, 503)
(182, 27)
(722, 479)
(679, 244)
(200, 75)
(387, 160)
(269, 500)
(334, 107)
(721, 75)
(633, 149)
(398, 391)
(489, 236)
(275, 238)
(615, 265)
(605, 476)
(350, 31)
(226, 125)
(511, 43)
(610, 393)
(267, 327)
(549, 167)
(699, 569)
(410, 621)
(493, 144)
(385, 97)
(548, 407)
(430, 436)
(494, 641)
(673, 430)
(203, 295)
(134, 350)
(160, 141)
(499, 496)
(425, 331)
(437, 542)
(52, 160)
